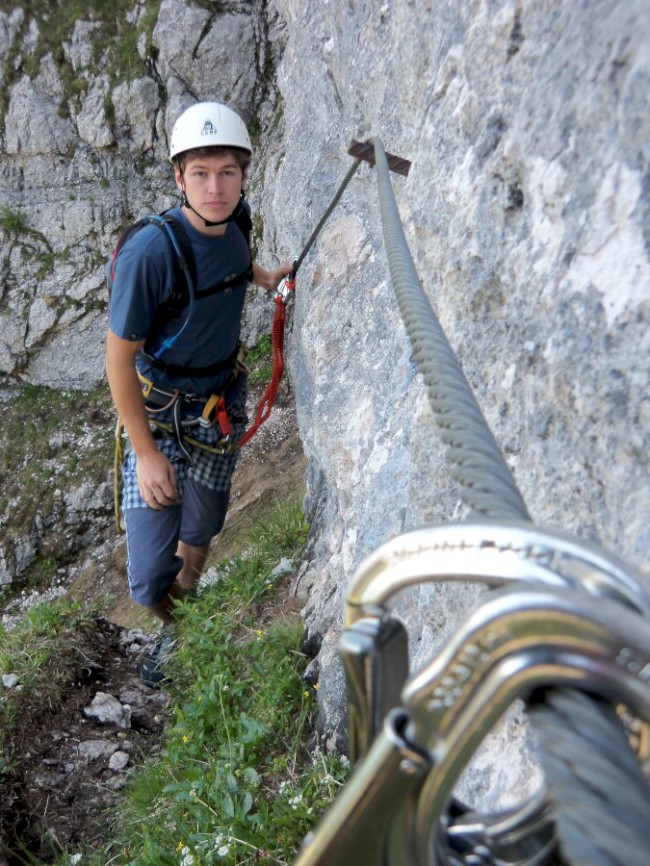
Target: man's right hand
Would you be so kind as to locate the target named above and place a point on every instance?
(156, 479)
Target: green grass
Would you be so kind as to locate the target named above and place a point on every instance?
(37, 427)
(39, 650)
(235, 783)
(240, 778)
(12, 221)
(259, 359)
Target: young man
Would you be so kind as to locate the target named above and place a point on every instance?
(167, 370)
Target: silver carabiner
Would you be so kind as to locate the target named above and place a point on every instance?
(286, 287)
(493, 554)
(519, 639)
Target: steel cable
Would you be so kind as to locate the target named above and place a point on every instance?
(604, 817)
(596, 823)
(487, 485)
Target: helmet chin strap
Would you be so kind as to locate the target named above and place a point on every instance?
(208, 223)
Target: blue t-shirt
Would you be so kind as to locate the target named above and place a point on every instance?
(209, 328)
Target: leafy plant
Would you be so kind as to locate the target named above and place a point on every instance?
(12, 221)
(259, 359)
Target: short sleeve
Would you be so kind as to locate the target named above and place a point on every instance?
(144, 272)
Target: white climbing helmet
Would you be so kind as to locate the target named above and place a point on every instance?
(208, 124)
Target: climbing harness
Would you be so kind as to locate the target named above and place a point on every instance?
(564, 627)
(203, 412)
(165, 413)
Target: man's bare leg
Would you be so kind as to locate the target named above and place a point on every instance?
(193, 564)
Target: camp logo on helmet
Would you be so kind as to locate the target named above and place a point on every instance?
(209, 128)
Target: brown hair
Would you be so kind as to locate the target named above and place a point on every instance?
(242, 156)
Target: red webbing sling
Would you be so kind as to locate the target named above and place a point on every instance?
(265, 405)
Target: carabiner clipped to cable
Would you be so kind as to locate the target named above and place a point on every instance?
(287, 285)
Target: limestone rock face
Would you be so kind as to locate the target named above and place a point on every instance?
(526, 215)
(84, 153)
(526, 212)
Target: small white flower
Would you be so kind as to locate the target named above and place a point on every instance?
(223, 851)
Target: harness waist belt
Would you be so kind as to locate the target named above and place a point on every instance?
(165, 399)
(158, 400)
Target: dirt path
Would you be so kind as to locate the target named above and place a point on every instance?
(75, 757)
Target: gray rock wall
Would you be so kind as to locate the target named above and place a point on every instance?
(526, 211)
(81, 160)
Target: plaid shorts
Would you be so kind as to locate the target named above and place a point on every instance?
(213, 471)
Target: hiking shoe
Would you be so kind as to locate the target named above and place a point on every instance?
(152, 670)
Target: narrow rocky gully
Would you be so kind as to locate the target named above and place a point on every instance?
(78, 755)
